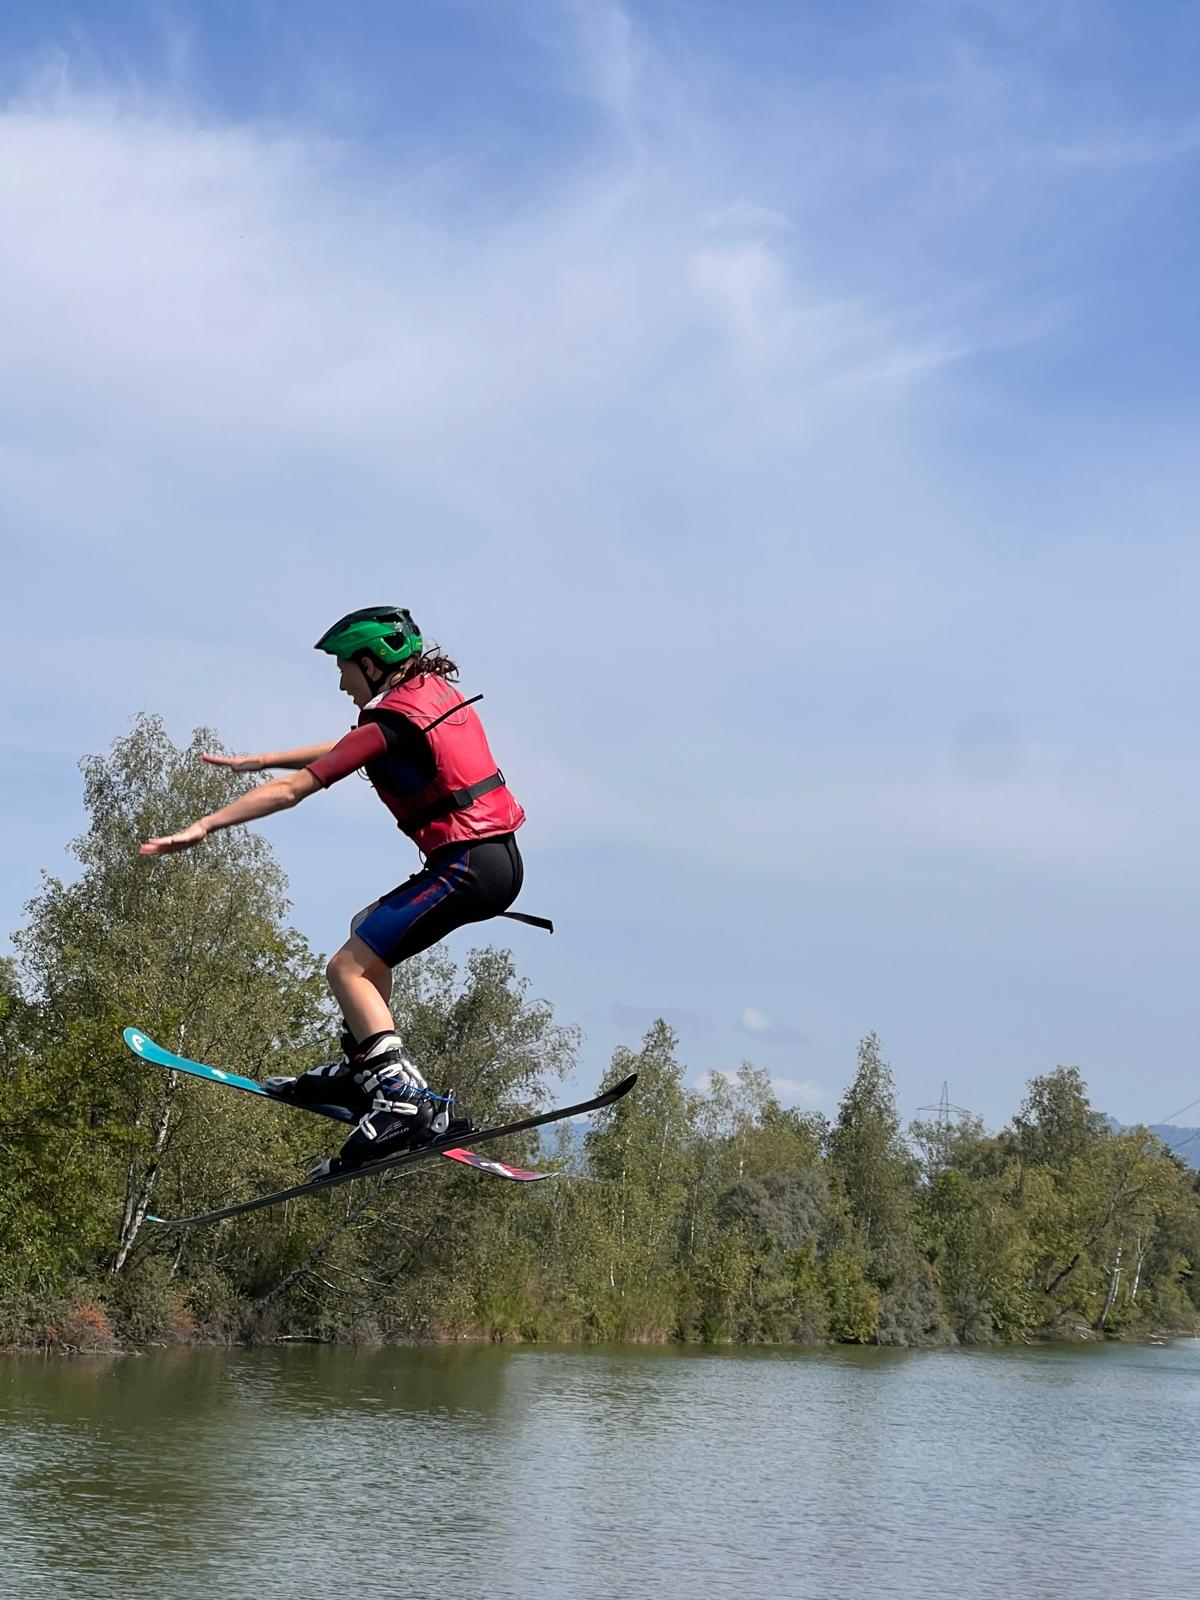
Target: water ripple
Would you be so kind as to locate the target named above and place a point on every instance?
(593, 1473)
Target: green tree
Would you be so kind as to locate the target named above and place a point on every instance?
(194, 949)
(781, 1223)
(980, 1249)
(638, 1164)
(870, 1157)
(747, 1273)
(1056, 1123)
(876, 1175)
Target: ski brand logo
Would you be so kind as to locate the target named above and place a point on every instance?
(137, 1041)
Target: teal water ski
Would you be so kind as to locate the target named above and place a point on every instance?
(407, 1158)
(143, 1046)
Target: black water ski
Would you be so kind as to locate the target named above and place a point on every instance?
(407, 1158)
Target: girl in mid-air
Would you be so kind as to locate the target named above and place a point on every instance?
(424, 750)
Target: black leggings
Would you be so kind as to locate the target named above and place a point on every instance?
(459, 883)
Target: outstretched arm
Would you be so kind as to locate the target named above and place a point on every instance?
(278, 795)
(289, 760)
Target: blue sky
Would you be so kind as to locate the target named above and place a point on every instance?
(784, 413)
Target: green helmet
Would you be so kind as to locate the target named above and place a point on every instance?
(387, 632)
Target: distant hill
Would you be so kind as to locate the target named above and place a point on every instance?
(1173, 1138)
(1185, 1140)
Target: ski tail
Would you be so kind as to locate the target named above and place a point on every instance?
(498, 1169)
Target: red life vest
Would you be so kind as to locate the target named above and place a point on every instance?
(467, 797)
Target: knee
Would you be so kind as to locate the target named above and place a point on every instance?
(355, 960)
(341, 965)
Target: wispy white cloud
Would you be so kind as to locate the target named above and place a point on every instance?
(800, 1092)
(790, 1092)
(762, 1027)
(748, 217)
(249, 281)
(605, 54)
(1122, 150)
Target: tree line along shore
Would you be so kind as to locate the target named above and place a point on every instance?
(711, 1216)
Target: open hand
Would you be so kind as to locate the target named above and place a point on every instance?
(183, 840)
(235, 763)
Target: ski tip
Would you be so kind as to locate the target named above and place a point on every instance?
(606, 1097)
(139, 1041)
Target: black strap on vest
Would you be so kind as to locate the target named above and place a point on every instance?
(459, 707)
(456, 800)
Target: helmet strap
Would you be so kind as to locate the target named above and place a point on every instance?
(360, 661)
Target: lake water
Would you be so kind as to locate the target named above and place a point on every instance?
(602, 1474)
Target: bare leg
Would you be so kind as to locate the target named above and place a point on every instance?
(362, 987)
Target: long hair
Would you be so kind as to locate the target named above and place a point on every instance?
(431, 660)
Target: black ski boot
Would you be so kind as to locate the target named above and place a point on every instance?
(329, 1085)
(420, 1118)
(400, 1111)
(367, 1072)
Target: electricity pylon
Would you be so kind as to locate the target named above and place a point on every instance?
(943, 1113)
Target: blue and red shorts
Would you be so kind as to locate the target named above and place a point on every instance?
(458, 884)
